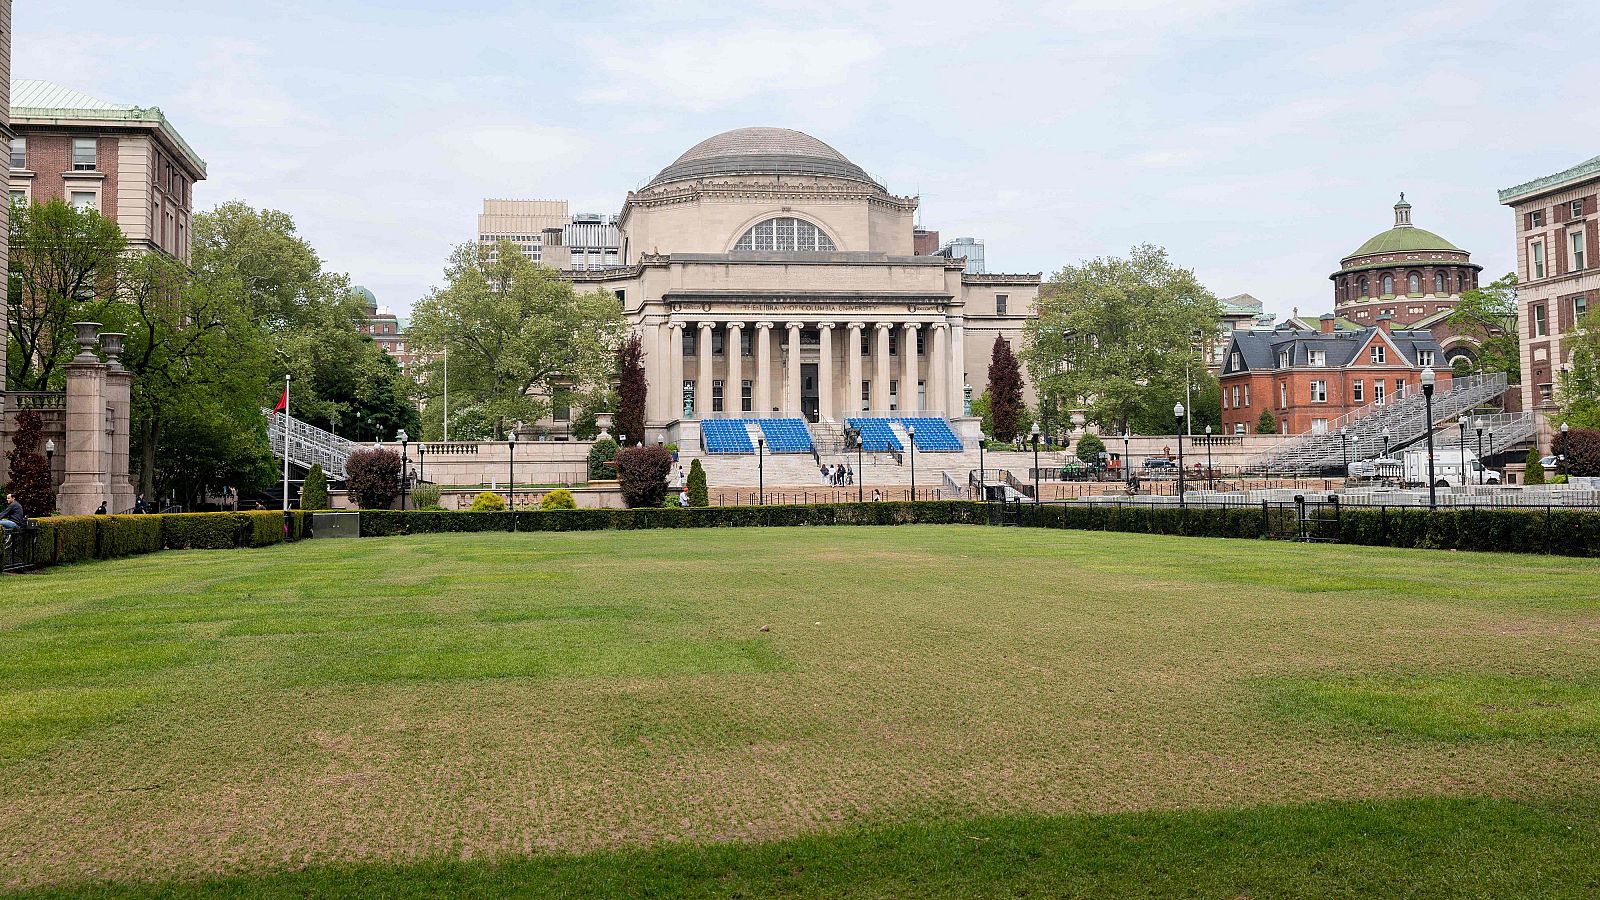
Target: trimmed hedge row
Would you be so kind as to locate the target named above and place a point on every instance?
(70, 539)
(386, 522)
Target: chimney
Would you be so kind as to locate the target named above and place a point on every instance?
(1385, 322)
(1325, 323)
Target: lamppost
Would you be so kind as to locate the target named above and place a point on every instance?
(1385, 442)
(50, 462)
(1211, 483)
(983, 489)
(1344, 448)
(911, 432)
(1479, 425)
(1034, 434)
(1462, 421)
(405, 462)
(511, 473)
(852, 435)
(1127, 461)
(761, 471)
(1428, 379)
(1561, 458)
(1177, 415)
(422, 469)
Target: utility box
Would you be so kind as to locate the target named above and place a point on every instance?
(335, 524)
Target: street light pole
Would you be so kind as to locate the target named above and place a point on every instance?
(761, 471)
(1385, 442)
(1428, 379)
(1177, 414)
(911, 432)
(1127, 461)
(1211, 481)
(1034, 433)
(405, 464)
(1481, 466)
(983, 491)
(1344, 448)
(1561, 458)
(511, 474)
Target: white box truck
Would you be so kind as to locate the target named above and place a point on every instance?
(1452, 467)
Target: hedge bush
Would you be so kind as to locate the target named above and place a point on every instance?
(382, 523)
(560, 498)
(70, 539)
(488, 501)
(426, 496)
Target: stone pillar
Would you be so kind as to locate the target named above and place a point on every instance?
(119, 397)
(880, 369)
(702, 385)
(658, 369)
(763, 391)
(852, 358)
(958, 367)
(909, 405)
(825, 385)
(939, 368)
(733, 390)
(84, 487)
(675, 370)
(791, 395)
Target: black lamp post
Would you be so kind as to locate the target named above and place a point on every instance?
(1463, 423)
(1034, 433)
(1127, 461)
(1385, 442)
(511, 474)
(761, 471)
(852, 435)
(405, 463)
(1344, 448)
(1561, 458)
(911, 432)
(1177, 415)
(1479, 425)
(1211, 484)
(50, 462)
(1491, 441)
(1428, 379)
(422, 470)
(983, 490)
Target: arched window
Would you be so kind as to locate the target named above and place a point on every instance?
(786, 234)
(1388, 285)
(1438, 283)
(1461, 282)
(1413, 283)
(1364, 292)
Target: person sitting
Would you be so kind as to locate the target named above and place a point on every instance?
(13, 517)
(101, 509)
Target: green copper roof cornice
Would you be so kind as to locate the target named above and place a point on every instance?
(1403, 239)
(1551, 182)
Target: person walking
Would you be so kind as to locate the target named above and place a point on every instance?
(849, 474)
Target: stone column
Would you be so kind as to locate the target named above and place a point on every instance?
(763, 391)
(733, 389)
(658, 370)
(84, 486)
(791, 395)
(675, 371)
(119, 397)
(958, 367)
(702, 385)
(852, 358)
(825, 385)
(908, 384)
(880, 369)
(939, 368)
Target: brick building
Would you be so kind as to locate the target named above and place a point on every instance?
(128, 162)
(1308, 379)
(384, 326)
(1558, 241)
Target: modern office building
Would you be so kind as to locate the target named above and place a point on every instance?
(545, 233)
(969, 249)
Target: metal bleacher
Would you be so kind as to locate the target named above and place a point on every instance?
(932, 435)
(726, 436)
(786, 435)
(877, 435)
(308, 445)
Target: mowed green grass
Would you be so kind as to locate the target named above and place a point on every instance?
(948, 711)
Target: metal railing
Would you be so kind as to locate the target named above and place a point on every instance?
(308, 445)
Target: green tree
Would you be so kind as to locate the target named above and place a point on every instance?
(1533, 472)
(1266, 424)
(699, 494)
(1120, 338)
(1488, 315)
(1578, 387)
(314, 493)
(1090, 447)
(64, 267)
(515, 331)
(1006, 408)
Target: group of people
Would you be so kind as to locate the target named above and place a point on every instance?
(839, 475)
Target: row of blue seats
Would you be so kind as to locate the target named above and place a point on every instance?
(733, 435)
(876, 435)
(932, 434)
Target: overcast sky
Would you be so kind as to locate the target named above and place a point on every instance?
(1259, 142)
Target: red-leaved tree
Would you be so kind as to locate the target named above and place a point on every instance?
(29, 474)
(642, 475)
(1581, 447)
(1005, 392)
(632, 392)
(373, 477)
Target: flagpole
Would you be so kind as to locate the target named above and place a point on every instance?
(286, 378)
(447, 393)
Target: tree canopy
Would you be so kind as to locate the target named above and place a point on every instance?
(1578, 387)
(1488, 315)
(65, 266)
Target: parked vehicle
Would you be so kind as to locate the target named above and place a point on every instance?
(1381, 469)
(1452, 467)
(1160, 462)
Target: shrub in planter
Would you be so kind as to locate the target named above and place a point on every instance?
(601, 456)
(373, 477)
(560, 498)
(488, 501)
(426, 496)
(699, 494)
(642, 475)
(314, 493)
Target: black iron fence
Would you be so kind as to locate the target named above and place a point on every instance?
(847, 494)
(21, 549)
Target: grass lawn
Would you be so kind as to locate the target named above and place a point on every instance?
(948, 711)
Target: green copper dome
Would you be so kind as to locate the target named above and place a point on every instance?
(1403, 238)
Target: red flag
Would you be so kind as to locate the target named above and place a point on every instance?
(283, 402)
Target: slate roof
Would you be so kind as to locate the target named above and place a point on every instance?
(1259, 349)
(36, 99)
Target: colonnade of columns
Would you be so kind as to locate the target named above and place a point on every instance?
(779, 391)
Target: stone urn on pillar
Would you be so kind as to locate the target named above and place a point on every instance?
(602, 421)
(84, 487)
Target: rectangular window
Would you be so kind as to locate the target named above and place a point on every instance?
(1283, 394)
(19, 153)
(1247, 395)
(1577, 208)
(1399, 388)
(1424, 357)
(1358, 391)
(1580, 308)
(894, 342)
(561, 409)
(691, 341)
(1319, 426)
(83, 154)
(1238, 428)
(866, 343)
(922, 345)
(1319, 392)
(1536, 256)
(1576, 238)
(1379, 354)
(1236, 397)
(746, 389)
(1283, 359)
(1316, 357)
(1000, 301)
(1377, 391)
(716, 395)
(1235, 362)
(1541, 327)
(744, 343)
(19, 197)
(717, 338)
(1538, 218)
(866, 395)
(83, 200)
